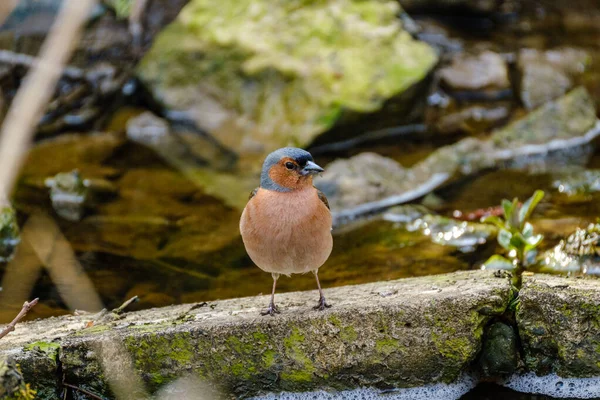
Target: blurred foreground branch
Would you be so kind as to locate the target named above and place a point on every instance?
(37, 89)
(11, 326)
(6, 7)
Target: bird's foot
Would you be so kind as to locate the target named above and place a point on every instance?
(271, 310)
(322, 305)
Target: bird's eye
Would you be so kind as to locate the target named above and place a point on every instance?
(289, 165)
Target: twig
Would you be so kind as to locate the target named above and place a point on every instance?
(37, 88)
(123, 306)
(92, 395)
(26, 307)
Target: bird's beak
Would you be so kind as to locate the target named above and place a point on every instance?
(311, 169)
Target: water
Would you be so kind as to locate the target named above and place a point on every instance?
(150, 231)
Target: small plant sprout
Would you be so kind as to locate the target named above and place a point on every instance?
(516, 236)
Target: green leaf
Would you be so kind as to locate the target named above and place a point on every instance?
(507, 208)
(498, 262)
(494, 220)
(504, 238)
(533, 242)
(529, 206)
(518, 241)
(527, 231)
(515, 222)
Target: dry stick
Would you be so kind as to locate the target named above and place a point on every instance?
(92, 395)
(37, 89)
(123, 306)
(26, 307)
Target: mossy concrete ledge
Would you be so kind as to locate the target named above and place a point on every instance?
(559, 325)
(399, 333)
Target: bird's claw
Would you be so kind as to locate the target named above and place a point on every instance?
(322, 305)
(271, 310)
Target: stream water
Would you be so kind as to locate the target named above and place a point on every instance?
(152, 232)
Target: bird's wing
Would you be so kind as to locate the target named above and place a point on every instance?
(323, 198)
(253, 193)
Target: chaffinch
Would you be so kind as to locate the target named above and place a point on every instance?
(286, 225)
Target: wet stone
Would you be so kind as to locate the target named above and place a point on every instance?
(578, 253)
(539, 68)
(557, 134)
(577, 182)
(466, 236)
(472, 119)
(236, 78)
(424, 330)
(559, 325)
(68, 193)
(485, 71)
(499, 356)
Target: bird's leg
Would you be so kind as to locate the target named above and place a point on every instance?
(322, 303)
(272, 310)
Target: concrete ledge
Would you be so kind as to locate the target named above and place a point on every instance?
(400, 333)
(559, 325)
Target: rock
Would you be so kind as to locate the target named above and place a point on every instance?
(438, 36)
(484, 71)
(365, 177)
(68, 193)
(11, 381)
(579, 253)
(559, 133)
(577, 183)
(423, 330)
(559, 325)
(9, 233)
(500, 354)
(102, 64)
(538, 68)
(472, 120)
(234, 68)
(480, 6)
(466, 236)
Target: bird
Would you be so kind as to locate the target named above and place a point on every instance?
(286, 224)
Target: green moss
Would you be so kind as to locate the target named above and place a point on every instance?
(388, 346)
(48, 348)
(260, 337)
(302, 76)
(347, 333)
(269, 357)
(92, 330)
(159, 356)
(459, 349)
(303, 368)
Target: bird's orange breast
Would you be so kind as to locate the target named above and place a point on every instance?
(287, 232)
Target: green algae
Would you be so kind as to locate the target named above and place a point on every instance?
(49, 349)
(303, 368)
(287, 68)
(388, 346)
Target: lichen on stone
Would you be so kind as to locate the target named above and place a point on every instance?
(262, 74)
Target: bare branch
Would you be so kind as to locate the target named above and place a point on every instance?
(26, 307)
(86, 392)
(123, 306)
(6, 7)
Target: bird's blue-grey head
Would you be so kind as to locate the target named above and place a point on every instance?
(287, 165)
